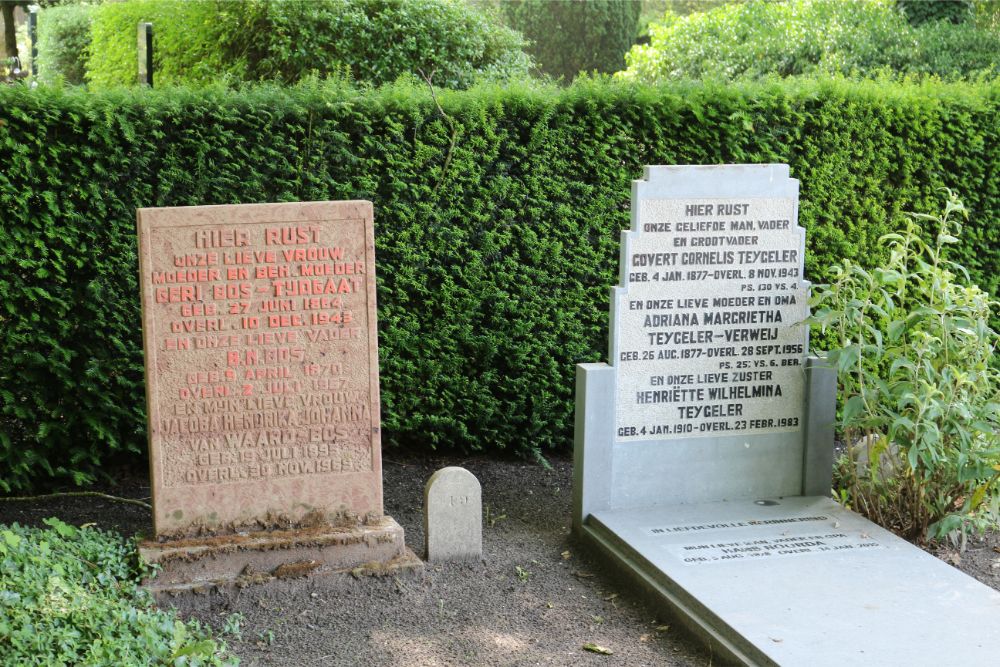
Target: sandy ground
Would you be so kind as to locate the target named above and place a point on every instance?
(534, 599)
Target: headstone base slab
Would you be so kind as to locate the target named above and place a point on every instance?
(800, 581)
(205, 564)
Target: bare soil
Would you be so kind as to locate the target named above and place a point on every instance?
(536, 598)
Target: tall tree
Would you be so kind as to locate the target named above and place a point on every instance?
(576, 36)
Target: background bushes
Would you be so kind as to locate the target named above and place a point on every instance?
(186, 48)
(575, 35)
(374, 41)
(64, 43)
(493, 276)
(857, 38)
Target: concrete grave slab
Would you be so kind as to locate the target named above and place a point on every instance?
(225, 561)
(453, 515)
(804, 582)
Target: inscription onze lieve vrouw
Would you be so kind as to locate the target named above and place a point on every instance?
(262, 366)
(707, 337)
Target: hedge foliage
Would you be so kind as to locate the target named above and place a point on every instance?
(493, 275)
(918, 12)
(371, 41)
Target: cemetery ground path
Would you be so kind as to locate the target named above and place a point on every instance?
(535, 599)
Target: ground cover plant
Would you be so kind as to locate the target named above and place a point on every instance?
(71, 596)
(497, 228)
(920, 389)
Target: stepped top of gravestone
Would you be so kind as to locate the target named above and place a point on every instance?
(453, 511)
(716, 180)
(261, 365)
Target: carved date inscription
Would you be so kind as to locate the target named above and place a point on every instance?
(261, 358)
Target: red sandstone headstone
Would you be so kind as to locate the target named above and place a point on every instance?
(261, 366)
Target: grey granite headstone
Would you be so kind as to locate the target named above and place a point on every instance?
(703, 455)
(709, 393)
(453, 515)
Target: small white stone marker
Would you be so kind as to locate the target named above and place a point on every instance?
(453, 515)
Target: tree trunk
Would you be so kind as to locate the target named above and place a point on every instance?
(9, 31)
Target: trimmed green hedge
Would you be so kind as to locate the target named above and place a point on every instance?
(493, 276)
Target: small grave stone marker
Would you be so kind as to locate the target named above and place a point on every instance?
(703, 453)
(453, 515)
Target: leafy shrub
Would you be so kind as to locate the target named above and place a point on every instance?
(759, 38)
(377, 41)
(918, 12)
(71, 596)
(63, 43)
(986, 14)
(576, 35)
(921, 393)
(374, 41)
(953, 52)
(493, 274)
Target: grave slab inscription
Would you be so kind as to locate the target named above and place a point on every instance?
(262, 365)
(707, 338)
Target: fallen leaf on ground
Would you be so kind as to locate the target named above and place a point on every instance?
(662, 628)
(644, 638)
(566, 555)
(594, 648)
